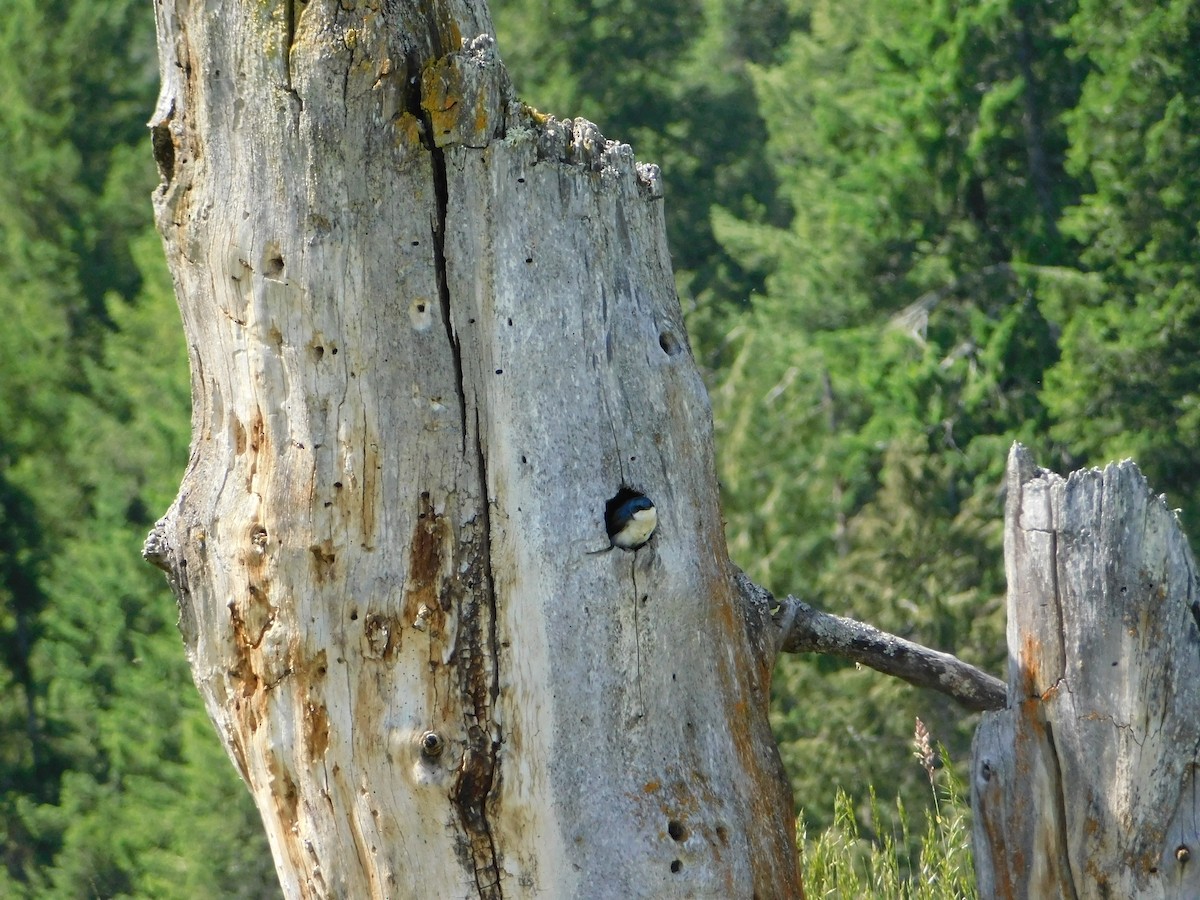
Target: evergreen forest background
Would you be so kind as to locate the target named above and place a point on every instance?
(905, 235)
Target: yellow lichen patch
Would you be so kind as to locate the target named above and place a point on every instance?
(441, 88)
(461, 100)
(408, 129)
(535, 115)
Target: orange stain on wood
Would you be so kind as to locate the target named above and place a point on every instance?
(425, 566)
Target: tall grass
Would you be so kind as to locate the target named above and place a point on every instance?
(841, 863)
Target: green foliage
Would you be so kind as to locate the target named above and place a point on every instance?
(672, 79)
(111, 780)
(906, 234)
(1127, 385)
(844, 861)
(993, 239)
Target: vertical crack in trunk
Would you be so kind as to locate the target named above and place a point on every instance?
(477, 651)
(476, 648)
(289, 24)
(1069, 879)
(441, 198)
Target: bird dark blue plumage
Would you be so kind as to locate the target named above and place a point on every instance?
(630, 519)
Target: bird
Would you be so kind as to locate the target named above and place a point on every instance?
(630, 519)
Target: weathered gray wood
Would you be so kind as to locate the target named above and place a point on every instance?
(804, 629)
(1083, 786)
(431, 334)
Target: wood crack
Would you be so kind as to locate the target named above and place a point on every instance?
(477, 644)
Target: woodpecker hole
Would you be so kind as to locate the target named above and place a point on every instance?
(612, 508)
(671, 345)
(676, 830)
(420, 314)
(624, 495)
(273, 261)
(258, 537)
(676, 866)
(432, 745)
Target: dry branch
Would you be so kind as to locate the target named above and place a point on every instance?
(803, 629)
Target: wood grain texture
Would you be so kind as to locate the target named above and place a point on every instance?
(1084, 786)
(431, 334)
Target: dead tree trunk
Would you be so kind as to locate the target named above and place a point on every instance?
(431, 334)
(1085, 785)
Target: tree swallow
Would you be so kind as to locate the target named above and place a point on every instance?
(630, 519)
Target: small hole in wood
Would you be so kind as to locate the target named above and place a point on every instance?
(273, 265)
(676, 830)
(670, 344)
(676, 865)
(624, 513)
(432, 745)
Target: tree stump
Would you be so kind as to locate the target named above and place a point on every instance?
(1084, 785)
(432, 335)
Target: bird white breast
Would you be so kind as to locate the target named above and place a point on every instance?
(641, 525)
